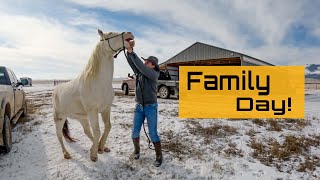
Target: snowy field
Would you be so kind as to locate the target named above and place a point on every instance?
(197, 149)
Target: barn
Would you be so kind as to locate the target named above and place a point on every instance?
(200, 54)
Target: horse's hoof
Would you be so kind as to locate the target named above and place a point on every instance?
(94, 159)
(100, 151)
(67, 156)
(106, 149)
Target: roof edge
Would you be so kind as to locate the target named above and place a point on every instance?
(217, 48)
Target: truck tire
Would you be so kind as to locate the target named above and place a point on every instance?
(126, 89)
(164, 92)
(25, 109)
(7, 138)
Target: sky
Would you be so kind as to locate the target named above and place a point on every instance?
(54, 39)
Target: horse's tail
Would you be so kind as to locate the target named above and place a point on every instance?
(66, 132)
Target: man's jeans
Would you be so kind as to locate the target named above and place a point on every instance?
(150, 112)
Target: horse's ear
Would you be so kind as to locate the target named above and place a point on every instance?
(100, 33)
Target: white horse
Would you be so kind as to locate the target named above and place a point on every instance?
(89, 94)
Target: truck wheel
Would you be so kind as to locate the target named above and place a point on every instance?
(25, 109)
(164, 92)
(7, 138)
(126, 89)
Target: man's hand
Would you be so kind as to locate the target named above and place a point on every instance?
(131, 45)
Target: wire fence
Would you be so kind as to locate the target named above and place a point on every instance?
(312, 85)
(56, 82)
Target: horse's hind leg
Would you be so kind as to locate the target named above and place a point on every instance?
(107, 127)
(59, 126)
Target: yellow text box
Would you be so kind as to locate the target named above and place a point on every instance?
(241, 92)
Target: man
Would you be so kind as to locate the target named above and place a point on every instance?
(147, 74)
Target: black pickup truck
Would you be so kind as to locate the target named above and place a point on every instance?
(12, 106)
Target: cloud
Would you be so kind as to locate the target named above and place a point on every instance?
(227, 21)
(257, 28)
(57, 40)
(282, 55)
(316, 32)
(42, 44)
(185, 14)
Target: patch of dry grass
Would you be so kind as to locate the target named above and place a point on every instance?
(36, 123)
(274, 125)
(126, 126)
(279, 124)
(31, 110)
(46, 95)
(273, 153)
(211, 132)
(119, 93)
(162, 111)
(233, 151)
(34, 105)
(259, 122)
(174, 113)
(31, 107)
(251, 133)
(179, 147)
(309, 164)
(296, 124)
(23, 129)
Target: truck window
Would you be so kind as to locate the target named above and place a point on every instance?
(11, 76)
(3, 78)
(14, 77)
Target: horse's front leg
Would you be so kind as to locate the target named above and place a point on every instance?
(94, 121)
(86, 128)
(107, 127)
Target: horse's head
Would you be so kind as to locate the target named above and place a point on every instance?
(114, 41)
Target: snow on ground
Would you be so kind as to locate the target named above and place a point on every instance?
(117, 85)
(313, 102)
(197, 149)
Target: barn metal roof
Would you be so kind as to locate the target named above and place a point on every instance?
(201, 51)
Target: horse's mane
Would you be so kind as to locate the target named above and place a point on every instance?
(93, 65)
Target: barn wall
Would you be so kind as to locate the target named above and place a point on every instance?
(248, 64)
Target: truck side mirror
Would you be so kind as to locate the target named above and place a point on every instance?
(19, 84)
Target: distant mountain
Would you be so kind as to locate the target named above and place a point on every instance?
(312, 71)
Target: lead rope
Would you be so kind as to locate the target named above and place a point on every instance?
(123, 48)
(144, 128)
(145, 132)
(138, 82)
(149, 141)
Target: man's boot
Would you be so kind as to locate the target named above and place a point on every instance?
(136, 152)
(157, 147)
